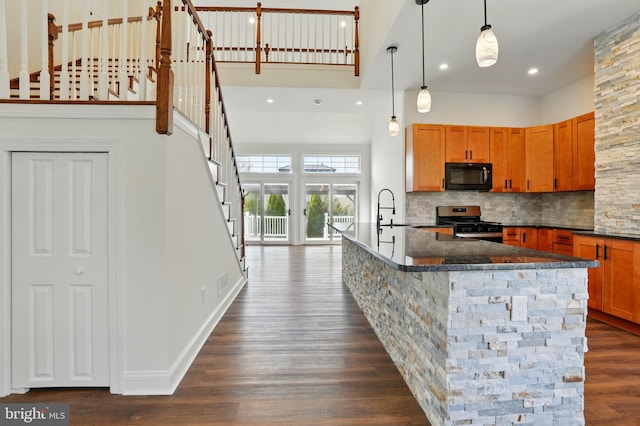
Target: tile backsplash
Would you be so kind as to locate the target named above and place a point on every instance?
(564, 209)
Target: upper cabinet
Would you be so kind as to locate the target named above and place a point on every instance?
(539, 158)
(574, 154)
(549, 158)
(563, 156)
(584, 152)
(465, 144)
(424, 161)
(508, 159)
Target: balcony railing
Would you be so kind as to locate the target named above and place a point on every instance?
(287, 36)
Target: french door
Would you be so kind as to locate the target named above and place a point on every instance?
(267, 212)
(328, 202)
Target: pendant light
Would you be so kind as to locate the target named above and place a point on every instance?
(487, 45)
(394, 127)
(424, 97)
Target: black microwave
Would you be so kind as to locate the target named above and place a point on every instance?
(467, 176)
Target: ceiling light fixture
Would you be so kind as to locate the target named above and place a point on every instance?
(533, 71)
(394, 127)
(487, 44)
(444, 66)
(424, 97)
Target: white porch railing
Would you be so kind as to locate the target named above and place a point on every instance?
(274, 226)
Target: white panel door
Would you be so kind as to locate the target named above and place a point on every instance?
(59, 270)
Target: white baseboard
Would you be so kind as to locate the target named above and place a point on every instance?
(166, 382)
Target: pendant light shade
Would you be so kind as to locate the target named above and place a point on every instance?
(487, 44)
(423, 102)
(394, 127)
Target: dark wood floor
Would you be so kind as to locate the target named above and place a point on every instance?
(294, 349)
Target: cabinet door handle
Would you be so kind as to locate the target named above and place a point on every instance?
(505, 184)
(528, 186)
(510, 184)
(443, 182)
(524, 237)
(597, 251)
(605, 252)
(555, 183)
(466, 154)
(471, 155)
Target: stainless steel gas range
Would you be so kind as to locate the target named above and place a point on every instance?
(467, 223)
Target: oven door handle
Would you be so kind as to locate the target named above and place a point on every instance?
(486, 174)
(478, 234)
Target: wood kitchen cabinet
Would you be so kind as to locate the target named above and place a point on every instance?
(539, 158)
(424, 161)
(614, 285)
(511, 236)
(529, 238)
(563, 156)
(520, 237)
(574, 154)
(584, 152)
(562, 242)
(508, 159)
(545, 239)
(466, 144)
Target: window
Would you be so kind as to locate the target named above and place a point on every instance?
(264, 163)
(331, 164)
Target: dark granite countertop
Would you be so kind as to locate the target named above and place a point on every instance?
(412, 249)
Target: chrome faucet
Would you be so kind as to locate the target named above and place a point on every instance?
(393, 208)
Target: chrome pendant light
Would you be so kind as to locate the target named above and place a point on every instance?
(424, 97)
(487, 44)
(394, 127)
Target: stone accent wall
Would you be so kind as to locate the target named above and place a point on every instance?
(451, 337)
(617, 113)
(564, 209)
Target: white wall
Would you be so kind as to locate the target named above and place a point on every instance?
(387, 165)
(474, 109)
(152, 319)
(569, 101)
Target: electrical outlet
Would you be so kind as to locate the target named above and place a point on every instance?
(518, 308)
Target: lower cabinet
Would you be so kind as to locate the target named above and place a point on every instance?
(614, 285)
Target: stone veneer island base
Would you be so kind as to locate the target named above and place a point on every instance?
(449, 330)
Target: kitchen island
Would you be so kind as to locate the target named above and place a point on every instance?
(482, 332)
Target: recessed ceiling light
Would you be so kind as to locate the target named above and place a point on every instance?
(269, 101)
(343, 24)
(444, 66)
(533, 71)
(252, 20)
(358, 102)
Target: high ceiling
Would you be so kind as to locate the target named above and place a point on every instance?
(554, 36)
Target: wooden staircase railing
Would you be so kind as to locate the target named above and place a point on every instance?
(292, 36)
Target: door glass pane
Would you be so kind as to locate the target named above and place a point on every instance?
(343, 209)
(252, 212)
(316, 212)
(276, 212)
